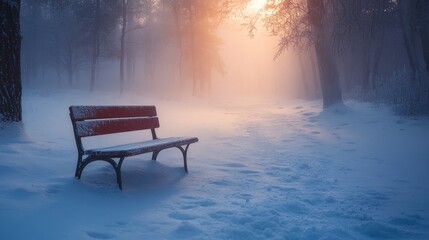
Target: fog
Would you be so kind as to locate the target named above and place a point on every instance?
(157, 61)
(250, 71)
(203, 50)
(307, 118)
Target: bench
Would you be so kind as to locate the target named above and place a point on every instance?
(91, 121)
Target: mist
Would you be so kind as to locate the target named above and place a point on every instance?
(232, 49)
(157, 63)
(204, 119)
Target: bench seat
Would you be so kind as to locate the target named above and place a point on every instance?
(132, 149)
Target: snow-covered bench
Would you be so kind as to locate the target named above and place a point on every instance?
(100, 120)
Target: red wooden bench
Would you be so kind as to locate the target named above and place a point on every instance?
(100, 120)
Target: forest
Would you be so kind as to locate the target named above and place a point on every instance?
(368, 50)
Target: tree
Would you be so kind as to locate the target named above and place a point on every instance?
(97, 21)
(408, 13)
(301, 24)
(423, 14)
(359, 29)
(95, 45)
(122, 53)
(200, 41)
(414, 20)
(329, 79)
(10, 63)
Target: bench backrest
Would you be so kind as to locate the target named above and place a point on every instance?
(99, 120)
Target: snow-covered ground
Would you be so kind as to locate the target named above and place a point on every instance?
(279, 170)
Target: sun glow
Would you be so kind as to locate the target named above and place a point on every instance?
(256, 5)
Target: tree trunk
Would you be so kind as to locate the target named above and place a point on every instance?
(424, 31)
(315, 76)
(10, 65)
(193, 52)
(366, 65)
(70, 76)
(177, 19)
(407, 10)
(70, 63)
(304, 76)
(122, 57)
(328, 73)
(424, 35)
(95, 46)
(375, 61)
(130, 51)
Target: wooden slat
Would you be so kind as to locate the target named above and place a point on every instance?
(101, 127)
(101, 112)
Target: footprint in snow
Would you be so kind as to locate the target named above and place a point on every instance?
(120, 223)
(181, 216)
(294, 208)
(309, 145)
(205, 203)
(186, 230)
(21, 193)
(221, 183)
(380, 231)
(291, 178)
(9, 150)
(54, 189)
(414, 220)
(221, 214)
(6, 169)
(304, 166)
(349, 150)
(372, 121)
(249, 172)
(307, 114)
(188, 197)
(99, 235)
(234, 165)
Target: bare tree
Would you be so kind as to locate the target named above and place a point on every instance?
(202, 19)
(122, 51)
(424, 30)
(95, 45)
(329, 80)
(408, 14)
(10, 64)
(301, 24)
(359, 29)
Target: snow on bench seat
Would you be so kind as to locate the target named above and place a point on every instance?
(141, 147)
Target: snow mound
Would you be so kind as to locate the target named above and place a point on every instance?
(13, 132)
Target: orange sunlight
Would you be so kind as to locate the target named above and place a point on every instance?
(255, 5)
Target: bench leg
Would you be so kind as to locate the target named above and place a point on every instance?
(184, 152)
(89, 160)
(79, 163)
(116, 166)
(118, 172)
(155, 155)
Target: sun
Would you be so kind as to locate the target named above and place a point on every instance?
(256, 5)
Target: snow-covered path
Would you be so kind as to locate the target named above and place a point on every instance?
(260, 171)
